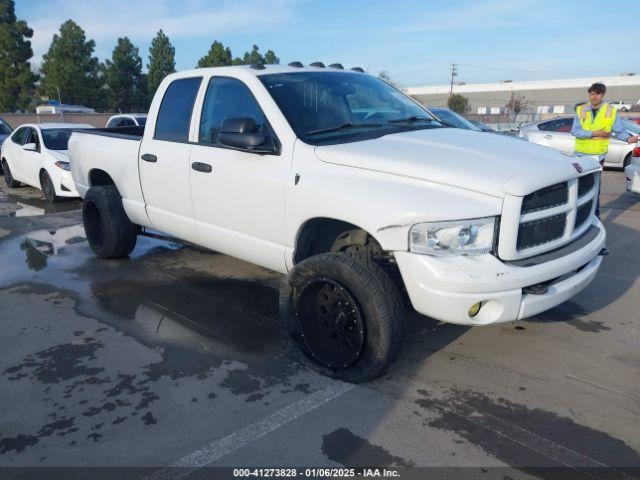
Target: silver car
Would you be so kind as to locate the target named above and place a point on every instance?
(556, 133)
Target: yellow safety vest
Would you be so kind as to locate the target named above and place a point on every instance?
(604, 120)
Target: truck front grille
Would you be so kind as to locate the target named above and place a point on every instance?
(547, 218)
(548, 197)
(541, 231)
(583, 213)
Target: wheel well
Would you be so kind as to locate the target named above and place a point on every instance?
(100, 178)
(42, 170)
(321, 235)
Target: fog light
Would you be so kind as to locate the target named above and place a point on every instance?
(475, 308)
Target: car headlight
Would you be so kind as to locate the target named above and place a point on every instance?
(460, 237)
(63, 165)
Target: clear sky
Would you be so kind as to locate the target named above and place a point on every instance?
(414, 40)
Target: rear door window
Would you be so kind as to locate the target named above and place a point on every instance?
(174, 116)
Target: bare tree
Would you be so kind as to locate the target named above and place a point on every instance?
(515, 105)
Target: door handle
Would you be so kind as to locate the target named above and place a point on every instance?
(548, 136)
(148, 157)
(201, 167)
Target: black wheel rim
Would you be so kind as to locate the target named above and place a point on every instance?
(331, 323)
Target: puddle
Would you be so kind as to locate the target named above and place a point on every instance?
(30, 203)
(179, 308)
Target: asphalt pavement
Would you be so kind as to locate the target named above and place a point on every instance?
(174, 358)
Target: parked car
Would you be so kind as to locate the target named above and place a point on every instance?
(5, 130)
(632, 171)
(37, 155)
(483, 126)
(452, 119)
(127, 120)
(620, 105)
(268, 164)
(556, 133)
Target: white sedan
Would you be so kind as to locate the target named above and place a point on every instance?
(556, 133)
(37, 155)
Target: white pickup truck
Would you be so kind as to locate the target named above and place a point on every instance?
(357, 193)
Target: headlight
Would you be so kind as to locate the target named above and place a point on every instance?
(63, 165)
(461, 237)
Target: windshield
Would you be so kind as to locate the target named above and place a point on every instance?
(337, 107)
(5, 129)
(453, 119)
(142, 121)
(56, 138)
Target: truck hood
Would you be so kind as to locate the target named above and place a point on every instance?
(490, 164)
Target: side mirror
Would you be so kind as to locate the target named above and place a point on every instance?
(242, 133)
(30, 147)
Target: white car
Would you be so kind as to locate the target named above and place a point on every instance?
(632, 171)
(37, 155)
(357, 192)
(620, 105)
(556, 133)
(127, 120)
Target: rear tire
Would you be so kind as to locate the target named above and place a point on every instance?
(109, 231)
(8, 178)
(48, 189)
(344, 315)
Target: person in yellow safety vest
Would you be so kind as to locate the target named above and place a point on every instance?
(593, 125)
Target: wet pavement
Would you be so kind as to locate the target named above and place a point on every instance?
(176, 350)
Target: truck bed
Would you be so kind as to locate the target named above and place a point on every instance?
(132, 133)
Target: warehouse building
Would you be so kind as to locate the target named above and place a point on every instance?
(539, 97)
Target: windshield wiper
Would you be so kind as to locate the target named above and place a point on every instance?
(413, 119)
(343, 127)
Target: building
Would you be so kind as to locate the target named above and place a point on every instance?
(540, 96)
(56, 108)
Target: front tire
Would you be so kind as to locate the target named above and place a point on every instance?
(346, 316)
(48, 189)
(8, 178)
(109, 231)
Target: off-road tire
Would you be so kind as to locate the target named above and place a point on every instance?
(48, 189)
(380, 304)
(8, 178)
(109, 231)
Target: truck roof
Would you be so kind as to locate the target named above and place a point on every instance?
(264, 70)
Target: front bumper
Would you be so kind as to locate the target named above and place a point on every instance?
(65, 180)
(632, 178)
(445, 288)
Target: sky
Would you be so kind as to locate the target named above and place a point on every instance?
(415, 41)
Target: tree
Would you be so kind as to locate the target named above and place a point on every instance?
(218, 56)
(161, 60)
(270, 58)
(69, 71)
(516, 104)
(253, 57)
(458, 103)
(124, 78)
(17, 81)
